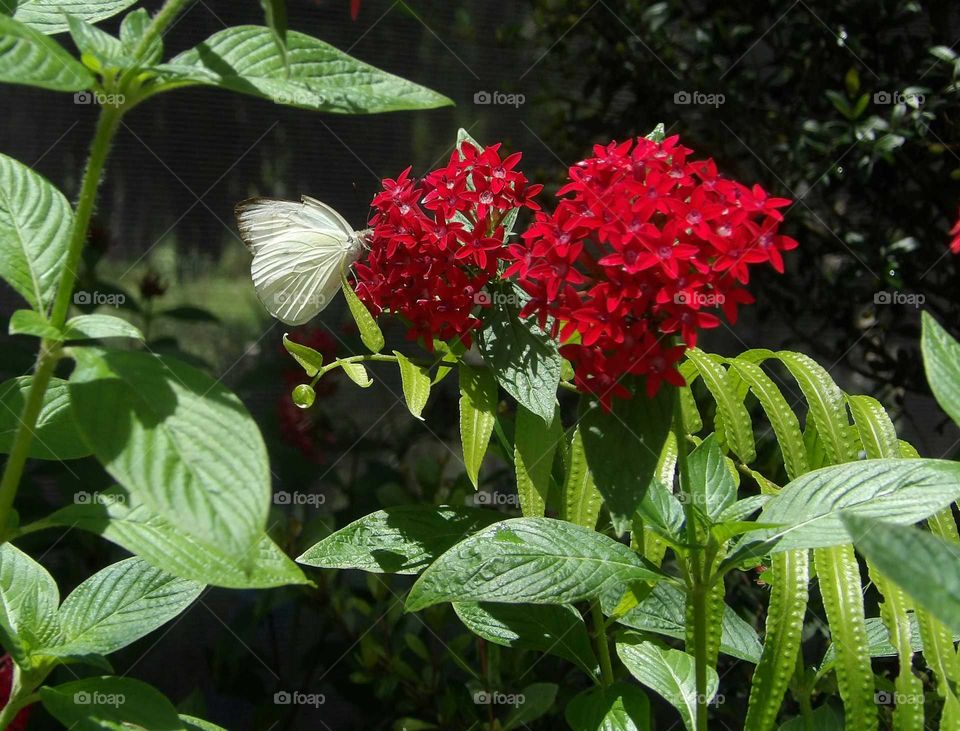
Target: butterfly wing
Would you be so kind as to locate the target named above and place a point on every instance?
(298, 250)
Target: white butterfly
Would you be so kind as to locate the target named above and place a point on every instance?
(298, 252)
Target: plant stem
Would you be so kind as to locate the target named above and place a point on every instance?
(698, 585)
(603, 648)
(164, 17)
(49, 351)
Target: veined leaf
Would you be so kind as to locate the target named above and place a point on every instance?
(98, 704)
(618, 707)
(309, 359)
(737, 429)
(117, 517)
(50, 16)
(95, 327)
(538, 698)
(478, 404)
(535, 445)
(29, 57)
(35, 223)
(55, 436)
(370, 333)
(133, 28)
(178, 441)
(356, 373)
(581, 499)
(941, 360)
(246, 59)
(191, 723)
(400, 540)
(531, 560)
(28, 606)
(416, 384)
(711, 485)
(98, 48)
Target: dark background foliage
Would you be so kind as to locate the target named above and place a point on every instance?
(849, 108)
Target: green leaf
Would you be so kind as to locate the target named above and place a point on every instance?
(669, 673)
(370, 333)
(711, 484)
(110, 704)
(879, 643)
(534, 446)
(901, 491)
(29, 57)
(49, 16)
(924, 566)
(523, 357)
(31, 322)
(478, 414)
(118, 605)
(581, 499)
(416, 384)
(117, 517)
(309, 359)
(662, 612)
(538, 698)
(554, 628)
(246, 59)
(132, 30)
(191, 723)
(275, 15)
(623, 448)
(35, 223)
(178, 441)
(823, 718)
(737, 428)
(28, 606)
(55, 436)
(618, 707)
(356, 373)
(534, 560)
(400, 540)
(94, 327)
(98, 45)
(941, 360)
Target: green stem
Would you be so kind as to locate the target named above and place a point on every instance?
(698, 584)
(170, 10)
(374, 358)
(603, 648)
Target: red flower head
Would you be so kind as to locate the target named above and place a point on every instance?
(646, 245)
(955, 237)
(436, 243)
(19, 721)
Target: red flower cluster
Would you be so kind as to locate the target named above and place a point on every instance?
(437, 242)
(647, 245)
(19, 721)
(955, 237)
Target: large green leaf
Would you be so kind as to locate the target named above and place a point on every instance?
(478, 405)
(28, 605)
(663, 613)
(118, 605)
(924, 566)
(523, 357)
(29, 57)
(118, 518)
(554, 628)
(736, 426)
(581, 499)
(110, 704)
(623, 448)
(415, 380)
(49, 16)
(94, 327)
(370, 333)
(711, 484)
(533, 560)
(941, 360)
(670, 673)
(55, 436)
(618, 707)
(246, 59)
(400, 540)
(97, 45)
(535, 443)
(901, 491)
(178, 441)
(35, 223)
